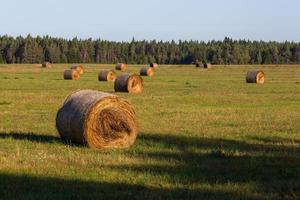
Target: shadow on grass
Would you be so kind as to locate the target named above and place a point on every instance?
(261, 168)
(28, 187)
(57, 79)
(32, 137)
(262, 144)
(273, 170)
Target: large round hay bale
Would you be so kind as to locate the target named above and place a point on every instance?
(147, 71)
(207, 66)
(121, 67)
(98, 120)
(46, 64)
(107, 75)
(255, 77)
(131, 83)
(71, 74)
(153, 65)
(78, 68)
(198, 64)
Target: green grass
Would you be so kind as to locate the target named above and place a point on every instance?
(202, 134)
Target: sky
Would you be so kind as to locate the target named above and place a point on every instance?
(121, 20)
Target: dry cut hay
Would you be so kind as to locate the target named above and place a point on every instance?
(147, 71)
(207, 66)
(78, 68)
(107, 75)
(71, 74)
(98, 120)
(131, 83)
(153, 65)
(121, 67)
(255, 77)
(46, 64)
(198, 64)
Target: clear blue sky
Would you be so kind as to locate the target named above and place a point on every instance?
(153, 19)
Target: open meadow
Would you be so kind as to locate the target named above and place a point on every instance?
(202, 134)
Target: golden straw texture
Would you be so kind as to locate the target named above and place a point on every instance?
(255, 77)
(121, 67)
(107, 75)
(70, 74)
(131, 83)
(153, 65)
(46, 64)
(207, 66)
(98, 120)
(147, 71)
(78, 68)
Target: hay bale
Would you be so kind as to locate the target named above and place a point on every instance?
(121, 67)
(78, 68)
(131, 83)
(255, 77)
(198, 64)
(147, 71)
(71, 74)
(207, 66)
(153, 65)
(47, 64)
(98, 120)
(107, 75)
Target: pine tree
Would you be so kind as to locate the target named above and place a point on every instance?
(37, 49)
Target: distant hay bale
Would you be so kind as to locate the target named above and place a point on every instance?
(147, 71)
(47, 64)
(198, 64)
(98, 120)
(153, 65)
(78, 68)
(107, 75)
(71, 74)
(207, 66)
(131, 83)
(121, 67)
(255, 77)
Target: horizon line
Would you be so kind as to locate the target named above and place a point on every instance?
(147, 40)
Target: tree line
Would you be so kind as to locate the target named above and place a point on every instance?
(59, 50)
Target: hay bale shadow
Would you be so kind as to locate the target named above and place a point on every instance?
(32, 137)
(29, 187)
(272, 168)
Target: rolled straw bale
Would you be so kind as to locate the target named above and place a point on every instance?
(153, 65)
(78, 68)
(71, 74)
(207, 66)
(255, 77)
(147, 71)
(46, 64)
(121, 67)
(198, 64)
(131, 83)
(107, 75)
(98, 120)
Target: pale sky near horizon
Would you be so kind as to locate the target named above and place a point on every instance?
(121, 20)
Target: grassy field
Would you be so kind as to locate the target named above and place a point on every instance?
(202, 134)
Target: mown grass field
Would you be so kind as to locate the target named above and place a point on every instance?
(202, 134)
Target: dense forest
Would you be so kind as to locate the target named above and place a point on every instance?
(58, 50)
